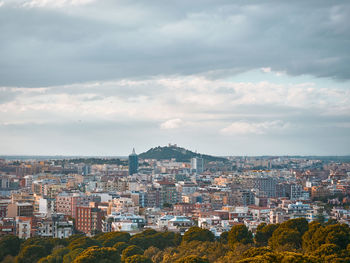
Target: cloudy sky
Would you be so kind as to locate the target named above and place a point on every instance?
(223, 77)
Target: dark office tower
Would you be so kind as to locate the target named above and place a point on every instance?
(133, 163)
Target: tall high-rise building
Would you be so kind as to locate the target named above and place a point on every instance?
(197, 165)
(133, 163)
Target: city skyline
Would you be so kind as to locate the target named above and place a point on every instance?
(93, 78)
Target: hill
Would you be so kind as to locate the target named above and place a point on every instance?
(180, 154)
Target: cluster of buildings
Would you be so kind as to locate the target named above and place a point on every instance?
(57, 199)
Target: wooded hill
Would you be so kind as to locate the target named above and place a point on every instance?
(178, 153)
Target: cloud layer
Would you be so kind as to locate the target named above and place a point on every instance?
(46, 42)
(189, 110)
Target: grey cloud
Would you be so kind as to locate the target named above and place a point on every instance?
(132, 39)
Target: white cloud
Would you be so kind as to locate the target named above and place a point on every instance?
(247, 128)
(55, 3)
(171, 124)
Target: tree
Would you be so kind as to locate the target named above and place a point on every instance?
(224, 237)
(299, 224)
(338, 234)
(151, 252)
(308, 243)
(83, 242)
(197, 233)
(47, 243)
(31, 253)
(239, 234)
(56, 256)
(120, 246)
(193, 259)
(256, 251)
(138, 259)
(72, 255)
(131, 251)
(285, 239)
(264, 233)
(98, 254)
(111, 238)
(9, 245)
(327, 250)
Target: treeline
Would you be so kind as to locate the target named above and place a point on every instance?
(294, 241)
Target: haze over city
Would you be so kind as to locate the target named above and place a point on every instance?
(85, 77)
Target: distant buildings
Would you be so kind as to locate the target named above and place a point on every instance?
(45, 198)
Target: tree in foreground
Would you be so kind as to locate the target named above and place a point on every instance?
(199, 234)
(239, 234)
(98, 254)
(9, 245)
(193, 259)
(138, 259)
(31, 253)
(131, 251)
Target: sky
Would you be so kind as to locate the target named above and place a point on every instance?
(222, 77)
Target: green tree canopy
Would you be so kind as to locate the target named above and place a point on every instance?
(120, 246)
(199, 234)
(111, 238)
(285, 239)
(56, 256)
(31, 253)
(98, 254)
(138, 259)
(83, 242)
(131, 251)
(9, 245)
(69, 257)
(193, 259)
(299, 224)
(264, 233)
(239, 234)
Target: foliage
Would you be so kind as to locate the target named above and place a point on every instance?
(9, 245)
(56, 256)
(180, 154)
(72, 255)
(224, 237)
(285, 239)
(318, 235)
(31, 253)
(83, 242)
(293, 241)
(264, 233)
(199, 234)
(131, 251)
(151, 237)
(151, 252)
(98, 254)
(298, 224)
(239, 234)
(138, 259)
(210, 250)
(120, 246)
(256, 251)
(111, 238)
(193, 259)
